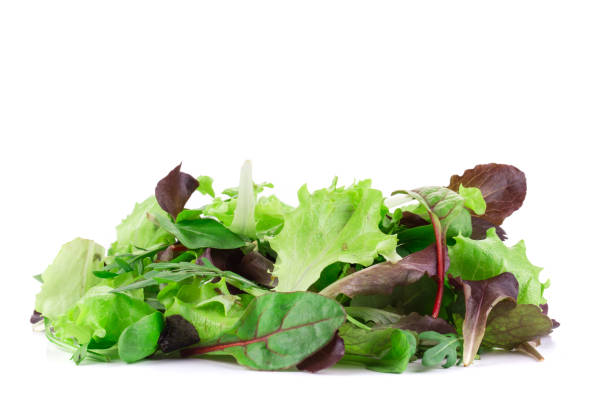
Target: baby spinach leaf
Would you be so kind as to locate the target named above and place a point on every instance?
(503, 188)
(139, 340)
(201, 233)
(445, 349)
(330, 225)
(173, 191)
(384, 350)
(279, 330)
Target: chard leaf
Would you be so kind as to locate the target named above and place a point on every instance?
(69, 277)
(173, 191)
(480, 298)
(382, 278)
(139, 340)
(503, 188)
(201, 233)
(324, 358)
(384, 350)
(330, 225)
(510, 325)
(482, 259)
(445, 349)
(279, 330)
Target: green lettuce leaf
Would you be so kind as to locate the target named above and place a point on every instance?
(99, 317)
(137, 231)
(69, 277)
(330, 225)
(483, 259)
(384, 350)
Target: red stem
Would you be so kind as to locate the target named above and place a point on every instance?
(440, 264)
(208, 349)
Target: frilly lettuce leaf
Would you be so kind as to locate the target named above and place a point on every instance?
(99, 317)
(483, 259)
(69, 276)
(137, 231)
(330, 225)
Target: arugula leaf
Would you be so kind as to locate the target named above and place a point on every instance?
(173, 191)
(69, 277)
(446, 346)
(482, 259)
(383, 350)
(279, 330)
(330, 225)
(139, 340)
(201, 233)
(503, 188)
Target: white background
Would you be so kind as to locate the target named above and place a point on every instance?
(100, 100)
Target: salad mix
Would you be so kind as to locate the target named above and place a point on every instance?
(347, 276)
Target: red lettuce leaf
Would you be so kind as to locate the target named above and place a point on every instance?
(383, 277)
(329, 355)
(480, 227)
(480, 298)
(503, 187)
(417, 323)
(173, 191)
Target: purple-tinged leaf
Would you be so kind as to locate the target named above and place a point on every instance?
(480, 298)
(36, 317)
(503, 187)
(329, 355)
(544, 308)
(257, 268)
(480, 227)
(170, 253)
(410, 220)
(529, 349)
(510, 325)
(177, 333)
(224, 259)
(417, 323)
(383, 277)
(173, 191)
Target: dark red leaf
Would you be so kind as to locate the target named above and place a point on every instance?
(503, 187)
(480, 227)
(170, 253)
(36, 317)
(256, 267)
(324, 358)
(177, 333)
(417, 323)
(410, 220)
(383, 277)
(173, 191)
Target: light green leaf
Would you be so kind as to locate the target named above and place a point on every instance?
(205, 187)
(244, 216)
(482, 259)
(330, 225)
(99, 317)
(69, 277)
(384, 350)
(137, 231)
(473, 199)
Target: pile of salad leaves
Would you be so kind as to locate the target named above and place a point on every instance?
(346, 276)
